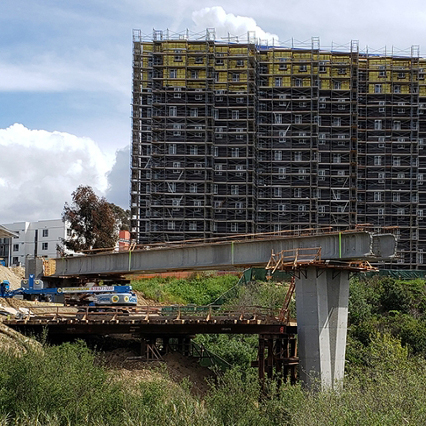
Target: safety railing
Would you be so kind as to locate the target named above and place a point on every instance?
(291, 258)
(152, 313)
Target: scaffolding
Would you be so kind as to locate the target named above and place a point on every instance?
(234, 137)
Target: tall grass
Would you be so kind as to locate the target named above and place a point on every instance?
(64, 385)
(199, 289)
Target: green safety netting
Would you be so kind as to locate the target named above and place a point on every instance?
(400, 274)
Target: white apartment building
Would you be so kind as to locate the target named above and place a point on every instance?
(36, 239)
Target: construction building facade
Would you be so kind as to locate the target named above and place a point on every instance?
(239, 137)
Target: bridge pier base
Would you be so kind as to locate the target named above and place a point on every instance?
(322, 297)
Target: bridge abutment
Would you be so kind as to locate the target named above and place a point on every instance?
(322, 297)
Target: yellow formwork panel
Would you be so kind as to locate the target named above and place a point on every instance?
(221, 67)
(147, 47)
(324, 56)
(174, 45)
(223, 77)
(335, 72)
(362, 64)
(403, 64)
(177, 83)
(197, 47)
(377, 62)
(397, 76)
(282, 54)
(243, 77)
(145, 61)
(275, 69)
(220, 86)
(325, 74)
(329, 85)
(342, 59)
(286, 81)
(233, 63)
(201, 74)
(237, 50)
(222, 49)
(386, 88)
(170, 61)
(302, 55)
(172, 82)
(346, 85)
(422, 90)
(296, 69)
(196, 85)
(236, 88)
(377, 76)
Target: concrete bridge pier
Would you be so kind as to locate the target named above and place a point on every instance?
(322, 297)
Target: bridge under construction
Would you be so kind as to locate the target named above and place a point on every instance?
(320, 263)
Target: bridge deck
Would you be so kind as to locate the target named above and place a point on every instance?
(153, 320)
(338, 246)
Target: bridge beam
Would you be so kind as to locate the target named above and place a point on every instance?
(341, 246)
(322, 314)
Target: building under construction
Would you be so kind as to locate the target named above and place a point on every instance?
(234, 137)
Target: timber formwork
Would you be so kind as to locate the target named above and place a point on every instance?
(236, 137)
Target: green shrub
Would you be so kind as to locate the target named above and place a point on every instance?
(64, 386)
(201, 289)
(238, 350)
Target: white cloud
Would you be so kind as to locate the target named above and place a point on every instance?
(225, 23)
(86, 70)
(119, 179)
(39, 170)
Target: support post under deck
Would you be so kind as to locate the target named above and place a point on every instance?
(322, 312)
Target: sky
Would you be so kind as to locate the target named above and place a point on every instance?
(66, 69)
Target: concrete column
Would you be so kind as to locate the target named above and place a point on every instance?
(322, 297)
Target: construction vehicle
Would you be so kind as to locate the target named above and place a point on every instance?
(90, 295)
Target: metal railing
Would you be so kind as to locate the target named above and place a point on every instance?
(293, 257)
(152, 313)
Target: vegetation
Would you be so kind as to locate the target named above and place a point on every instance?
(390, 306)
(65, 385)
(384, 384)
(94, 222)
(122, 217)
(199, 289)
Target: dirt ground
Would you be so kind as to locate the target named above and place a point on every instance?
(13, 275)
(174, 367)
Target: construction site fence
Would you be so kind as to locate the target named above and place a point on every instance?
(397, 274)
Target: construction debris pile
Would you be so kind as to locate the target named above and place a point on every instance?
(13, 275)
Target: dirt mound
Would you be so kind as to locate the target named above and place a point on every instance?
(15, 343)
(13, 275)
(181, 367)
(128, 365)
(16, 303)
(142, 301)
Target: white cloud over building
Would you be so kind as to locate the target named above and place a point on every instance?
(228, 23)
(39, 170)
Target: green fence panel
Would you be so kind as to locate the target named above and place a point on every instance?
(400, 274)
